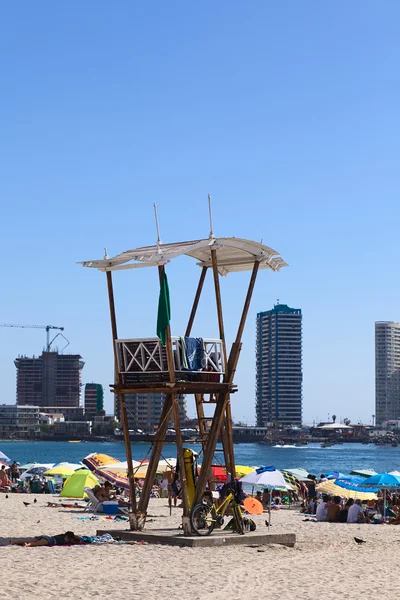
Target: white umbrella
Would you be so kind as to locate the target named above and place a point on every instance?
(120, 467)
(4, 457)
(267, 477)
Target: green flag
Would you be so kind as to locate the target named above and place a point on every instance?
(164, 309)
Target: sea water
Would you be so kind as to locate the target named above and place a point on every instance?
(313, 458)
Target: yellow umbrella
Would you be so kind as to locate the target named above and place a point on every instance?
(59, 471)
(242, 470)
(329, 487)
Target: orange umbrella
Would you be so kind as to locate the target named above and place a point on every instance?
(253, 506)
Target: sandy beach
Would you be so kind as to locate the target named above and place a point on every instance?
(325, 561)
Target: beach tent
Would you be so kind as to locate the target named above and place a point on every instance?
(74, 486)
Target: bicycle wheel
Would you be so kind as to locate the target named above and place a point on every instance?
(238, 519)
(202, 519)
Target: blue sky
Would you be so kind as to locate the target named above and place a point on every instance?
(287, 113)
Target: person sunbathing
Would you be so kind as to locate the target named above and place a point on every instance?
(103, 494)
(62, 539)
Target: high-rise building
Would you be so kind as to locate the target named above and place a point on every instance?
(279, 366)
(144, 410)
(51, 379)
(94, 399)
(387, 371)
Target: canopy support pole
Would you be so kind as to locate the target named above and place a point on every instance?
(196, 301)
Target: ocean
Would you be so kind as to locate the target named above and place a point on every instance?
(313, 458)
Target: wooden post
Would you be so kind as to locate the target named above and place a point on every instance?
(175, 412)
(155, 454)
(117, 378)
(196, 301)
(223, 398)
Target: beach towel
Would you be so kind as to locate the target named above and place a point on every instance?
(196, 357)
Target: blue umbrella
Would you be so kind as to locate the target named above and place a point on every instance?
(334, 475)
(383, 481)
(355, 487)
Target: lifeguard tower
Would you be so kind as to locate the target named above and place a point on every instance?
(159, 364)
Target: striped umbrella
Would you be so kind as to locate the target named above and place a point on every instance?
(329, 487)
(292, 480)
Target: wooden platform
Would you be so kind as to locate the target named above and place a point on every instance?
(173, 537)
(179, 387)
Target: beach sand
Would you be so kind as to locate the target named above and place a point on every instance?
(325, 562)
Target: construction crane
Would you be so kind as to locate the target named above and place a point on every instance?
(46, 327)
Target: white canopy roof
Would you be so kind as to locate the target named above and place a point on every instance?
(233, 254)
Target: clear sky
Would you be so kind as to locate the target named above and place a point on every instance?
(286, 112)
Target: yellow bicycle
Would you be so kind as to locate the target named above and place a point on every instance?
(205, 517)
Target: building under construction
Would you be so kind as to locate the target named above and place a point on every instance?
(49, 380)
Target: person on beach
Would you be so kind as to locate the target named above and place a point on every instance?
(14, 472)
(334, 509)
(356, 514)
(5, 483)
(342, 516)
(62, 539)
(103, 494)
(322, 509)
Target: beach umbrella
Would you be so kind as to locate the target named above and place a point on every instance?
(97, 460)
(37, 469)
(242, 470)
(300, 474)
(329, 487)
(120, 467)
(4, 457)
(334, 475)
(267, 477)
(59, 471)
(27, 466)
(117, 479)
(253, 506)
(383, 481)
(363, 472)
(292, 480)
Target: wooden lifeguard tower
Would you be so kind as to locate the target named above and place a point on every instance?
(151, 366)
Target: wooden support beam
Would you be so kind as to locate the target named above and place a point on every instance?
(158, 443)
(117, 378)
(223, 398)
(196, 301)
(181, 459)
(163, 424)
